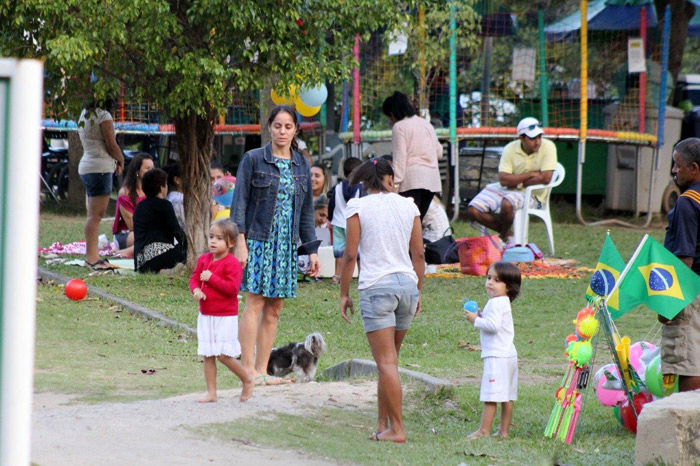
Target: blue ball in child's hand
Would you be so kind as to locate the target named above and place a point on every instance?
(470, 306)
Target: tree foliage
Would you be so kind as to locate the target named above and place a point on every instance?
(188, 57)
(429, 39)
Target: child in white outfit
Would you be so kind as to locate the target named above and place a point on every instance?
(499, 383)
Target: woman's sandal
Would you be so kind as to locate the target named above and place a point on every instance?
(101, 264)
(335, 279)
(270, 380)
(375, 437)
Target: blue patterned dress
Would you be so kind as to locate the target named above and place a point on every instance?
(272, 264)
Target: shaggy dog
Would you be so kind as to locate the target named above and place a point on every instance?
(300, 358)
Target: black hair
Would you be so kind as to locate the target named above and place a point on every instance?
(508, 273)
(349, 165)
(388, 157)
(320, 202)
(371, 173)
(215, 165)
(398, 106)
(131, 179)
(153, 181)
(106, 104)
(173, 170)
(289, 109)
(689, 150)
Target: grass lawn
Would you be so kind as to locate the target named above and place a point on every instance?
(90, 349)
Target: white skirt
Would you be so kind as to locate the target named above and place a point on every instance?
(217, 335)
(500, 380)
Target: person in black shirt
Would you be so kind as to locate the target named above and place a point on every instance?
(159, 242)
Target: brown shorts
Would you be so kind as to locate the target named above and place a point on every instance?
(680, 342)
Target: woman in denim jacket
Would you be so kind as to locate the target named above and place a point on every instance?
(272, 206)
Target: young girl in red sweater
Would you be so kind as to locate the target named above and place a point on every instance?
(215, 283)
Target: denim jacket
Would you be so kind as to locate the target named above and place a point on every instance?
(255, 196)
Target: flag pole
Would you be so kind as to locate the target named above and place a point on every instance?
(627, 268)
(612, 337)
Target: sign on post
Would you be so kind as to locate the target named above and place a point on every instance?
(21, 89)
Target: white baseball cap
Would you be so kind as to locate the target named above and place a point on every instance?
(530, 127)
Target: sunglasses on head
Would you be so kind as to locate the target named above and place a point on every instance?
(533, 126)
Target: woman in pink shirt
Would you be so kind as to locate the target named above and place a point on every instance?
(129, 196)
(416, 151)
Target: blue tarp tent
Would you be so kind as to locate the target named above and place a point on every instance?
(604, 15)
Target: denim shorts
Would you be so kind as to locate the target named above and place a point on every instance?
(391, 302)
(121, 238)
(97, 184)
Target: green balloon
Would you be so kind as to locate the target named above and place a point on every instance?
(653, 378)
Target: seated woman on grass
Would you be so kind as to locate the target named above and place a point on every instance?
(159, 242)
(130, 195)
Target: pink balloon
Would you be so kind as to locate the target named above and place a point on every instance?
(636, 351)
(606, 396)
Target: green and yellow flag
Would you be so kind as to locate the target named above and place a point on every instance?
(610, 265)
(659, 279)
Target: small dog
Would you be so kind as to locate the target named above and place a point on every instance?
(300, 358)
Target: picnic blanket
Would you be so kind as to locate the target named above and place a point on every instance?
(76, 247)
(120, 266)
(543, 268)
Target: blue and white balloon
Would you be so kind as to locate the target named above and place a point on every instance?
(313, 96)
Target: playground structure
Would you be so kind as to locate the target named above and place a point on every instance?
(570, 71)
(573, 75)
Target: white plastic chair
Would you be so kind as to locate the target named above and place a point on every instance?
(522, 216)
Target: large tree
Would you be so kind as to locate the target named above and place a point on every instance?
(681, 13)
(188, 57)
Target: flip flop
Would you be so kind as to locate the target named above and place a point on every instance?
(101, 264)
(269, 380)
(375, 437)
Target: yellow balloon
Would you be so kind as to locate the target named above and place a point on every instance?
(278, 99)
(225, 213)
(304, 109)
(284, 99)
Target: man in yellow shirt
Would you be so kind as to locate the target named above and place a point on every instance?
(529, 160)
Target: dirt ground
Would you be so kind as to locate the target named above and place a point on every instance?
(156, 432)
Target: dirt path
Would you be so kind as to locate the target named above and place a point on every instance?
(155, 432)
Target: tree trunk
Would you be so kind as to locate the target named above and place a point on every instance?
(195, 138)
(76, 190)
(681, 12)
(266, 105)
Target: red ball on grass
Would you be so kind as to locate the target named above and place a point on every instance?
(76, 289)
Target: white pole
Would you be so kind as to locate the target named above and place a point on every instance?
(627, 268)
(19, 217)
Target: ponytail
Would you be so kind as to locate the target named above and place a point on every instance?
(371, 173)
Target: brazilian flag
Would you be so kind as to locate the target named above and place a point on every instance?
(659, 279)
(610, 265)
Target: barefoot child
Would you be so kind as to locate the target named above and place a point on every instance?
(499, 383)
(215, 283)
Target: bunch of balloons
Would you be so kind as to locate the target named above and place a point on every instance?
(578, 346)
(641, 375)
(307, 99)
